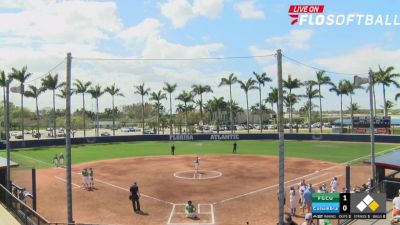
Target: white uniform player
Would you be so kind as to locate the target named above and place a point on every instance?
(334, 184)
(197, 164)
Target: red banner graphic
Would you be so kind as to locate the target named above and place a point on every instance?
(306, 9)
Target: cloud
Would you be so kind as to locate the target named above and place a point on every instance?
(295, 39)
(137, 35)
(248, 10)
(255, 51)
(179, 12)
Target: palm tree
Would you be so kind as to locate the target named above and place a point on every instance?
(158, 96)
(389, 104)
(273, 98)
(216, 105)
(82, 87)
(169, 88)
(141, 90)
(50, 82)
(113, 91)
(322, 79)
(96, 92)
(246, 86)
(386, 77)
(290, 100)
(341, 89)
(353, 107)
(291, 84)
(34, 92)
(351, 89)
(229, 81)
(21, 76)
(185, 97)
(63, 92)
(199, 89)
(310, 94)
(261, 79)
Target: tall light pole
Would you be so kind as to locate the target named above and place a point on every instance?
(68, 138)
(372, 128)
(281, 139)
(7, 132)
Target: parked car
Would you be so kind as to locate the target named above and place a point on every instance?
(36, 134)
(105, 134)
(271, 127)
(148, 131)
(124, 129)
(133, 129)
(60, 133)
(49, 129)
(18, 135)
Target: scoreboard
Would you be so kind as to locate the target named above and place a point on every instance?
(364, 121)
(349, 205)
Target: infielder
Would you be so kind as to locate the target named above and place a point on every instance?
(61, 159)
(90, 178)
(197, 164)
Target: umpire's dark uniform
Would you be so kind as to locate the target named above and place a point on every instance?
(135, 197)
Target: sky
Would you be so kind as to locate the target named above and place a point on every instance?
(39, 34)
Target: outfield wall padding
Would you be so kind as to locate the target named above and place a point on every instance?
(200, 137)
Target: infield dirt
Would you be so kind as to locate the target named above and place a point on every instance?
(246, 191)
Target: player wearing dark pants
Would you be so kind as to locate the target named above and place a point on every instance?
(234, 147)
(135, 195)
(173, 150)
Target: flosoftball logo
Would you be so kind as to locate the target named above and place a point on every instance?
(313, 15)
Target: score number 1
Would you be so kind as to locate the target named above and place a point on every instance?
(344, 202)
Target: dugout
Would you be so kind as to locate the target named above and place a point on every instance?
(3, 170)
(387, 173)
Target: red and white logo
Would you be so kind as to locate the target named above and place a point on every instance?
(295, 10)
(313, 15)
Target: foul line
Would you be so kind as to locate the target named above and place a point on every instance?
(269, 187)
(59, 178)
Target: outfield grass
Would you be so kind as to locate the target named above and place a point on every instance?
(326, 151)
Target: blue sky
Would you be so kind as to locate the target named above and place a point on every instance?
(39, 33)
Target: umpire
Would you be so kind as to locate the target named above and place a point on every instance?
(134, 197)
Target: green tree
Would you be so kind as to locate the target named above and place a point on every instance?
(113, 91)
(310, 94)
(21, 75)
(82, 87)
(246, 86)
(232, 79)
(142, 91)
(322, 79)
(351, 89)
(157, 97)
(215, 106)
(185, 97)
(96, 92)
(199, 90)
(261, 80)
(50, 82)
(291, 84)
(34, 92)
(386, 77)
(170, 88)
(340, 90)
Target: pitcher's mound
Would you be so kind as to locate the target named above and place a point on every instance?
(201, 175)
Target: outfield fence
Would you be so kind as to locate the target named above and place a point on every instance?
(203, 137)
